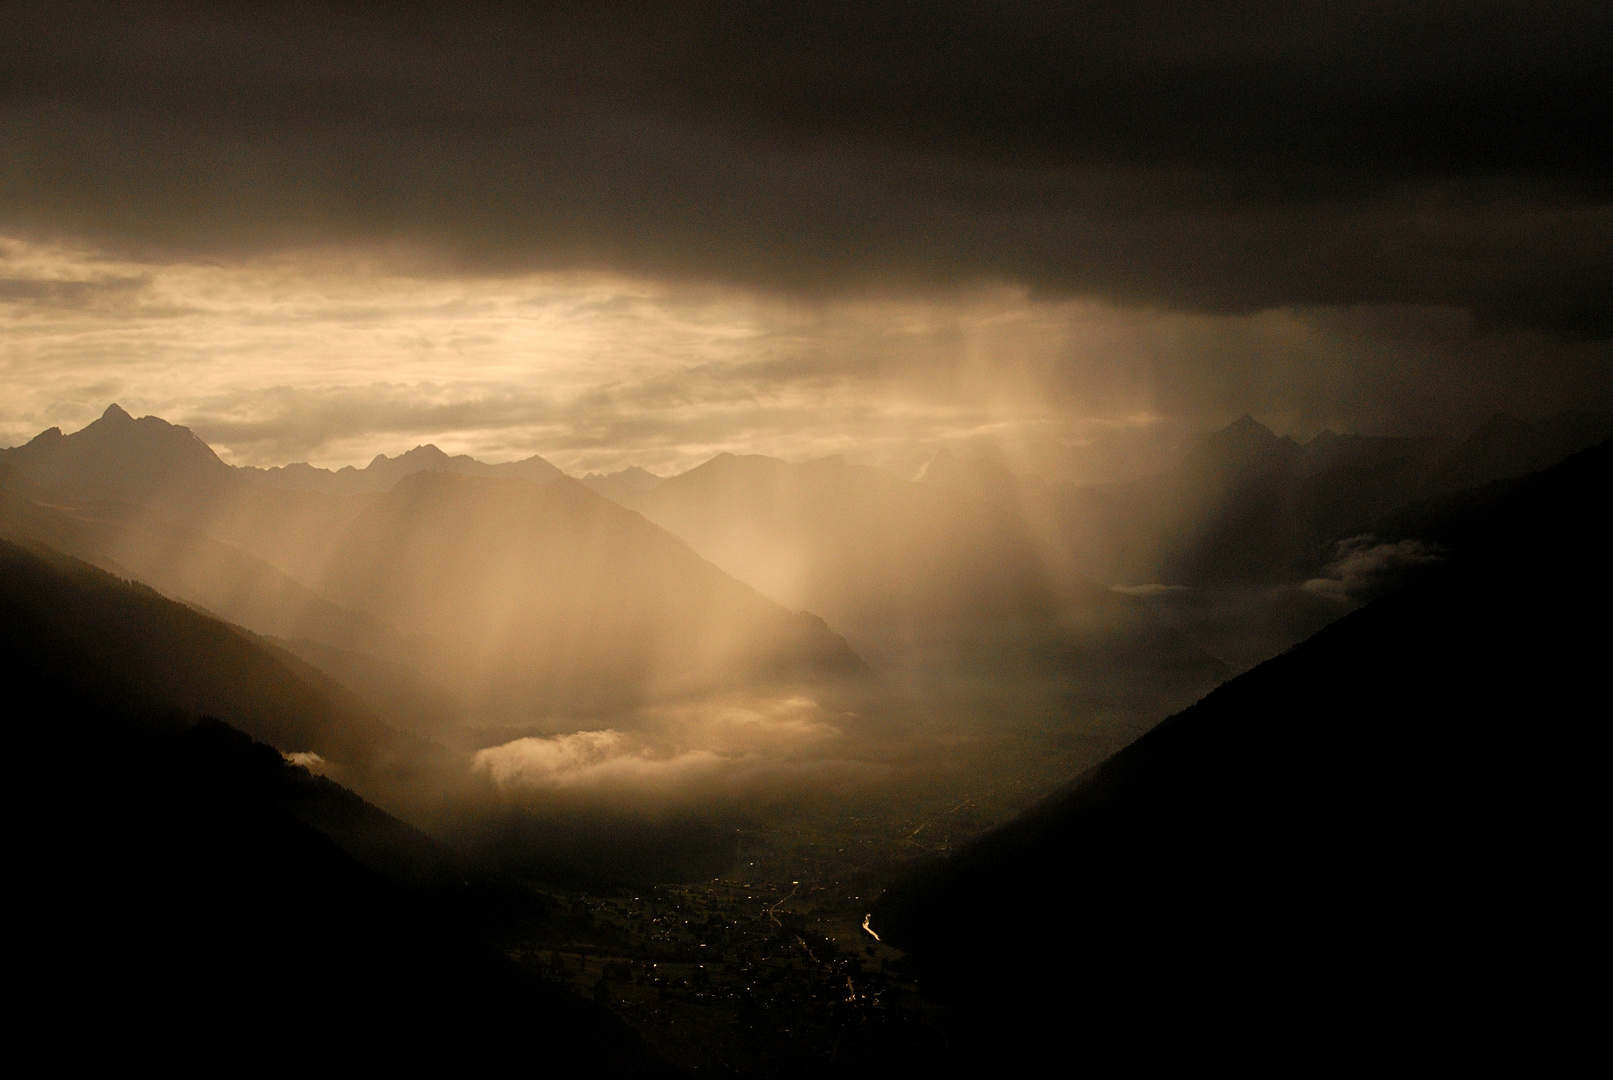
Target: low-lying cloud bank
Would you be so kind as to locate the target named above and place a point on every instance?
(586, 759)
(1364, 567)
(661, 795)
(677, 750)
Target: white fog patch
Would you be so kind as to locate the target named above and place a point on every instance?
(307, 759)
(673, 746)
(586, 758)
(1362, 565)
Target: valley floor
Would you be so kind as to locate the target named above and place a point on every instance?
(768, 969)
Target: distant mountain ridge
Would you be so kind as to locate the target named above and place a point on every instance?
(1245, 504)
(626, 486)
(856, 543)
(565, 592)
(382, 472)
(962, 598)
(478, 583)
(150, 455)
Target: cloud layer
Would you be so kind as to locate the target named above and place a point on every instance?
(1220, 159)
(642, 234)
(332, 356)
(680, 749)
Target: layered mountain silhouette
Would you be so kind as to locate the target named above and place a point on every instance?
(508, 596)
(382, 472)
(626, 486)
(1376, 842)
(856, 544)
(185, 887)
(561, 593)
(149, 455)
(508, 591)
(964, 599)
(120, 646)
(1245, 505)
(183, 562)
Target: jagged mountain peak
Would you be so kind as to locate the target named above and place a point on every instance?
(119, 451)
(1244, 429)
(638, 477)
(726, 464)
(424, 452)
(383, 471)
(1245, 441)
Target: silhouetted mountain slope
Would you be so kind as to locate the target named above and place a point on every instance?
(122, 646)
(1381, 838)
(626, 487)
(398, 692)
(963, 602)
(524, 598)
(566, 599)
(186, 564)
(190, 897)
(856, 544)
(1245, 505)
(1505, 446)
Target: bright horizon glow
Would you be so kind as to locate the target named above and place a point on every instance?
(332, 356)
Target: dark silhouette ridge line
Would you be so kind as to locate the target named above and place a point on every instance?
(1319, 842)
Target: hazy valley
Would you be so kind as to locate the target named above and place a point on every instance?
(669, 741)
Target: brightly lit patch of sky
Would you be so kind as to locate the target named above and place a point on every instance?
(332, 356)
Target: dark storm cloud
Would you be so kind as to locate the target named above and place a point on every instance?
(1224, 158)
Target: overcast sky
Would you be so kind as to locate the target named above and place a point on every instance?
(644, 233)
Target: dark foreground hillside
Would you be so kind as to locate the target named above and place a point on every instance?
(1384, 841)
(186, 895)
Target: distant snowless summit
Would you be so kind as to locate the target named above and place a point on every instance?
(383, 472)
(625, 487)
(117, 451)
(150, 454)
(522, 598)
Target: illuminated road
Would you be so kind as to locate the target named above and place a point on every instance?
(868, 928)
(780, 904)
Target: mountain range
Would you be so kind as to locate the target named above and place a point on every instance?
(511, 600)
(967, 589)
(1380, 831)
(1245, 505)
(518, 599)
(382, 472)
(564, 600)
